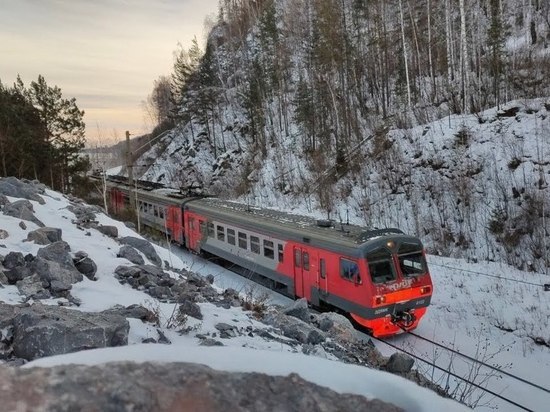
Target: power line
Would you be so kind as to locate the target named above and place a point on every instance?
(546, 286)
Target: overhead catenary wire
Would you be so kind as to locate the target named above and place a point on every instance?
(474, 272)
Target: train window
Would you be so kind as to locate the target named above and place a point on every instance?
(380, 266)
(411, 260)
(269, 252)
(161, 212)
(210, 229)
(156, 211)
(202, 226)
(221, 233)
(243, 244)
(141, 206)
(280, 253)
(349, 270)
(297, 258)
(255, 244)
(230, 236)
(322, 268)
(305, 260)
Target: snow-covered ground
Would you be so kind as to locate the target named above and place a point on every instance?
(469, 312)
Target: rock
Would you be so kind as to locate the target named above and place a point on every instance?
(42, 330)
(131, 254)
(4, 234)
(111, 231)
(85, 265)
(133, 311)
(399, 363)
(57, 252)
(44, 235)
(13, 260)
(337, 326)
(191, 309)
(164, 387)
(84, 214)
(3, 201)
(226, 331)
(55, 276)
(11, 186)
(298, 309)
(14, 265)
(22, 209)
(32, 287)
(294, 328)
(130, 225)
(210, 342)
(144, 247)
(22, 225)
(210, 279)
(3, 278)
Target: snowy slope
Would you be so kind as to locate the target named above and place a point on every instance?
(242, 353)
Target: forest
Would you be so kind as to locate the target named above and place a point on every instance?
(378, 110)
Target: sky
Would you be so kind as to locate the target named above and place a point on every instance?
(105, 53)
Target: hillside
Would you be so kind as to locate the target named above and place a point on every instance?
(307, 105)
(77, 287)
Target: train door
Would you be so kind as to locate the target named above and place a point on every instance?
(174, 224)
(194, 231)
(303, 277)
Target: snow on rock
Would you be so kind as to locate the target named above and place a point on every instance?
(163, 300)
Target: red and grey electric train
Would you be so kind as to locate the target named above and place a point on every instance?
(379, 277)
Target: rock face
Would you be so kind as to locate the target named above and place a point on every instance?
(41, 330)
(168, 387)
(144, 247)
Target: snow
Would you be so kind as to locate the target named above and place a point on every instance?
(469, 312)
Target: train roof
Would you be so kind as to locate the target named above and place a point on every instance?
(327, 233)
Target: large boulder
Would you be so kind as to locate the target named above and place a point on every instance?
(337, 326)
(131, 254)
(42, 330)
(14, 265)
(125, 386)
(298, 309)
(32, 287)
(44, 235)
(57, 278)
(144, 247)
(22, 209)
(11, 186)
(57, 252)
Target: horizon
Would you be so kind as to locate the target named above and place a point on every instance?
(71, 44)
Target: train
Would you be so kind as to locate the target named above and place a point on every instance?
(379, 277)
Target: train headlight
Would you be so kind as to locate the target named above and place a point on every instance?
(378, 300)
(424, 290)
(390, 244)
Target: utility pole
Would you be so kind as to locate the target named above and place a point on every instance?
(130, 167)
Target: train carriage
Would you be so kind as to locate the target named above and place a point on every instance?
(379, 277)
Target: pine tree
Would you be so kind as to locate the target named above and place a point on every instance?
(65, 126)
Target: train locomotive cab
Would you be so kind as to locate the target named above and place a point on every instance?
(398, 283)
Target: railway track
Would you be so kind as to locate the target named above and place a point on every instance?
(468, 378)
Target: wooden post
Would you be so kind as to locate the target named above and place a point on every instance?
(130, 167)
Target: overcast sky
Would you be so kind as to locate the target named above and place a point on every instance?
(106, 53)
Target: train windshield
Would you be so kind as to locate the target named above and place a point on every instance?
(381, 266)
(411, 260)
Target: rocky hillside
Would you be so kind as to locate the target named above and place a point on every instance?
(422, 115)
(73, 282)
